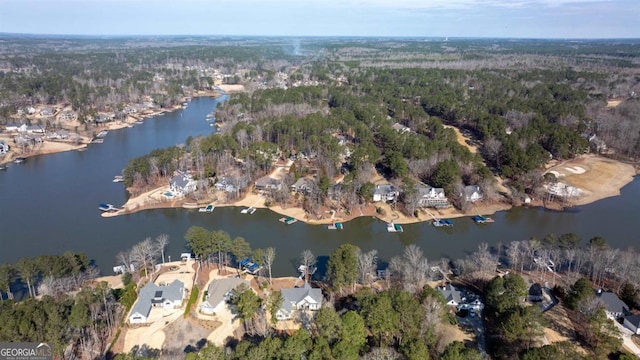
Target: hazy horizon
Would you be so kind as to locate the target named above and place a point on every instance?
(513, 19)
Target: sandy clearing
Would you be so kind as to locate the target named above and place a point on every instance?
(46, 147)
(602, 177)
(613, 102)
(576, 169)
(153, 334)
(229, 88)
(462, 140)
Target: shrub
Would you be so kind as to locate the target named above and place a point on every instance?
(192, 300)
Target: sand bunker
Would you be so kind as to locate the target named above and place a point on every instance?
(575, 169)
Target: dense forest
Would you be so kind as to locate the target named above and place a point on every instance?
(519, 116)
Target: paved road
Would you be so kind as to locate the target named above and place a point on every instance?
(626, 339)
(476, 323)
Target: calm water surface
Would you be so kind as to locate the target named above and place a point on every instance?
(49, 205)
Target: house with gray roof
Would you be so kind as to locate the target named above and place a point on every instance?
(385, 192)
(151, 295)
(299, 298)
(182, 184)
(400, 128)
(303, 185)
(429, 196)
(472, 193)
(632, 322)
(614, 307)
(218, 293)
(267, 183)
(452, 296)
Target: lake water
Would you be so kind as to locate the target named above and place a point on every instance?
(50, 204)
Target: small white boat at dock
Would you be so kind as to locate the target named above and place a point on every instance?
(249, 210)
(209, 208)
(391, 227)
(118, 178)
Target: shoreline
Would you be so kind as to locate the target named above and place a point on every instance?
(53, 147)
(611, 176)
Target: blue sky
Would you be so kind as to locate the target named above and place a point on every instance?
(452, 18)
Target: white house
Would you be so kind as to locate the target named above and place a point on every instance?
(451, 295)
(632, 322)
(472, 193)
(432, 197)
(303, 298)
(151, 295)
(182, 184)
(385, 192)
(15, 128)
(302, 185)
(614, 307)
(218, 294)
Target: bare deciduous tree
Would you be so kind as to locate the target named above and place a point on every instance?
(161, 242)
(308, 260)
(367, 263)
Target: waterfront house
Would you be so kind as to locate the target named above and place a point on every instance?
(452, 296)
(432, 197)
(267, 183)
(400, 128)
(15, 127)
(225, 184)
(472, 193)
(34, 129)
(182, 184)
(102, 118)
(632, 322)
(4, 147)
(300, 298)
(303, 185)
(385, 192)
(219, 293)
(151, 295)
(614, 307)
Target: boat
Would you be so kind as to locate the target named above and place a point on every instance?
(97, 141)
(139, 122)
(102, 133)
(249, 210)
(288, 220)
(210, 116)
(479, 219)
(391, 227)
(335, 226)
(209, 208)
(118, 178)
(3, 167)
(20, 160)
(107, 207)
(442, 222)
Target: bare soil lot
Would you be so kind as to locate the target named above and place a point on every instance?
(596, 176)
